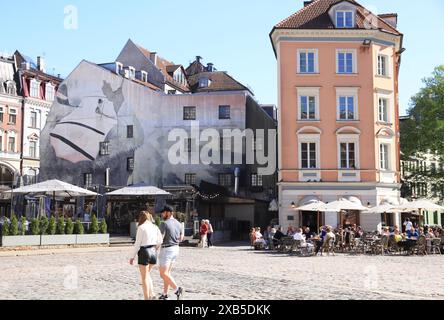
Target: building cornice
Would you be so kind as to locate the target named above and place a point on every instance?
(38, 102)
(332, 35)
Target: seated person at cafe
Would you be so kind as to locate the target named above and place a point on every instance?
(320, 239)
(299, 236)
(412, 237)
(385, 232)
(397, 236)
(308, 233)
(259, 237)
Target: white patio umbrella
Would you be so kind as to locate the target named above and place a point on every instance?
(317, 205)
(343, 204)
(384, 208)
(421, 204)
(54, 188)
(139, 190)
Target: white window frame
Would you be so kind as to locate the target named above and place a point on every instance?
(388, 96)
(119, 67)
(347, 92)
(308, 92)
(386, 157)
(2, 111)
(387, 65)
(34, 83)
(349, 138)
(345, 25)
(36, 149)
(316, 60)
(355, 60)
(387, 110)
(36, 119)
(310, 138)
(52, 90)
(12, 134)
(132, 72)
(14, 112)
(144, 76)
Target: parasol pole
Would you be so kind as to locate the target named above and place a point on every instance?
(54, 201)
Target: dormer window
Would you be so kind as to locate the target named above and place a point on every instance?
(35, 88)
(144, 76)
(345, 19)
(132, 72)
(119, 68)
(204, 82)
(50, 92)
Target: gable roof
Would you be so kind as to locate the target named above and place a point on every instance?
(315, 16)
(165, 67)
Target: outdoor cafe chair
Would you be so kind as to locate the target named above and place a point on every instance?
(436, 246)
(421, 246)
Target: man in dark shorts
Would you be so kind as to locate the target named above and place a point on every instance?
(173, 235)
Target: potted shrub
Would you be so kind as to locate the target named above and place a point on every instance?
(13, 236)
(94, 237)
(94, 229)
(23, 226)
(35, 227)
(13, 228)
(5, 229)
(78, 229)
(61, 226)
(103, 227)
(52, 226)
(69, 227)
(44, 223)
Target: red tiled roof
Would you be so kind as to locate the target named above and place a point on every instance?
(315, 16)
(164, 66)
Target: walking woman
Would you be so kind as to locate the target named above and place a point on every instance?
(148, 242)
(210, 234)
(203, 233)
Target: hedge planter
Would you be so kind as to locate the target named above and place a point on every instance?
(58, 240)
(20, 241)
(93, 239)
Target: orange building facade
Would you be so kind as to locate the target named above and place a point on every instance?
(338, 67)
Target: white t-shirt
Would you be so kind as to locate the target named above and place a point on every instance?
(148, 234)
(298, 236)
(408, 225)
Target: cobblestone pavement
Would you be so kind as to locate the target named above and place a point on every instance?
(229, 272)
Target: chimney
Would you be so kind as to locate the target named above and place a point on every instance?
(198, 59)
(153, 57)
(210, 67)
(41, 64)
(306, 3)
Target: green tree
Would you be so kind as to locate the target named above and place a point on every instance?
(44, 223)
(5, 228)
(424, 130)
(23, 226)
(52, 226)
(35, 227)
(14, 229)
(78, 229)
(61, 225)
(94, 229)
(103, 227)
(69, 226)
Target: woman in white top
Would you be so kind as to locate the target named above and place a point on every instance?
(148, 242)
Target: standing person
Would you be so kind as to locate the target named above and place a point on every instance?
(173, 235)
(210, 234)
(252, 237)
(148, 241)
(408, 225)
(203, 233)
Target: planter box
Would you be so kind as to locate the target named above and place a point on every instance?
(58, 240)
(93, 239)
(20, 241)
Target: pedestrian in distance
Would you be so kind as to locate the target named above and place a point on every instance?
(146, 247)
(210, 234)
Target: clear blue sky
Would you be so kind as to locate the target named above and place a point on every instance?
(233, 34)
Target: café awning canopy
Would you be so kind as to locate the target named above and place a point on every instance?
(54, 188)
(421, 204)
(139, 190)
(315, 205)
(384, 208)
(344, 204)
